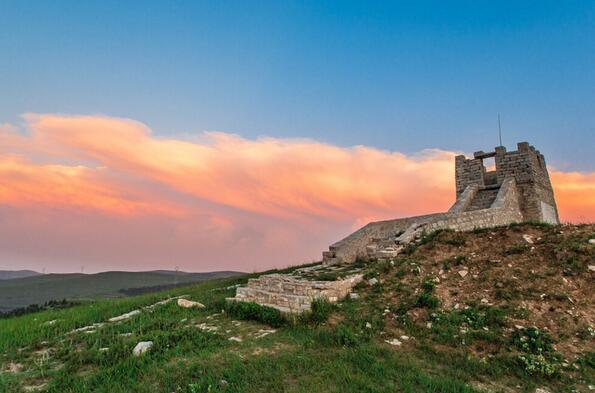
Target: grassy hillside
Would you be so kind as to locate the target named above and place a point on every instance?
(521, 317)
(39, 289)
(12, 274)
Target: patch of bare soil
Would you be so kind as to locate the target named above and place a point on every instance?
(543, 276)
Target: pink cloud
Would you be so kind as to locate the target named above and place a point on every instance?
(218, 202)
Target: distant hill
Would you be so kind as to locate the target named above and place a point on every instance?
(38, 289)
(12, 274)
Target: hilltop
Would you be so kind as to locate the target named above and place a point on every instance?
(507, 309)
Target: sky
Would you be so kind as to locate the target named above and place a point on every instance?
(251, 135)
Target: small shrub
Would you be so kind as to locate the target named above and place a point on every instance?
(538, 365)
(255, 312)
(321, 309)
(532, 340)
(427, 300)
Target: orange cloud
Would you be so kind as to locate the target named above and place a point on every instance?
(237, 203)
(575, 195)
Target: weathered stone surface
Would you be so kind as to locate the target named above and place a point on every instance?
(292, 294)
(142, 347)
(185, 303)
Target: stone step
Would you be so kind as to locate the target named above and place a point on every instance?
(483, 199)
(263, 297)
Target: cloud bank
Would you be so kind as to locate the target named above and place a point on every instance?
(105, 193)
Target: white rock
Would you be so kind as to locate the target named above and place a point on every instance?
(528, 238)
(142, 347)
(463, 273)
(236, 339)
(541, 390)
(368, 325)
(484, 301)
(394, 342)
(592, 268)
(457, 305)
(50, 323)
(185, 303)
(404, 338)
(124, 316)
(429, 325)
(373, 281)
(354, 295)
(519, 327)
(591, 241)
(103, 349)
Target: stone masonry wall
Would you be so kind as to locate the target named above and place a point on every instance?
(354, 245)
(291, 294)
(505, 210)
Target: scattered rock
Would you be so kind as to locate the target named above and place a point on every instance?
(393, 342)
(463, 273)
(208, 328)
(484, 301)
(103, 349)
(264, 332)
(142, 347)
(592, 268)
(368, 325)
(185, 303)
(50, 323)
(404, 338)
(519, 327)
(591, 241)
(528, 238)
(124, 317)
(354, 295)
(372, 281)
(34, 388)
(542, 390)
(14, 367)
(236, 339)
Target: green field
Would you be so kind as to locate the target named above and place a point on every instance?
(39, 289)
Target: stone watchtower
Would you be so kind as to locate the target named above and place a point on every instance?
(526, 165)
(514, 188)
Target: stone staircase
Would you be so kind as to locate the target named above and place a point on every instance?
(292, 294)
(483, 199)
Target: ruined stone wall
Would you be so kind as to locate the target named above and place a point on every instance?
(354, 245)
(468, 172)
(505, 210)
(293, 295)
(529, 169)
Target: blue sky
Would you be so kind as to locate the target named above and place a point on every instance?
(401, 76)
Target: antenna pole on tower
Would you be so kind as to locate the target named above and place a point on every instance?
(499, 130)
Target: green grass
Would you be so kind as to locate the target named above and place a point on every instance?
(298, 357)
